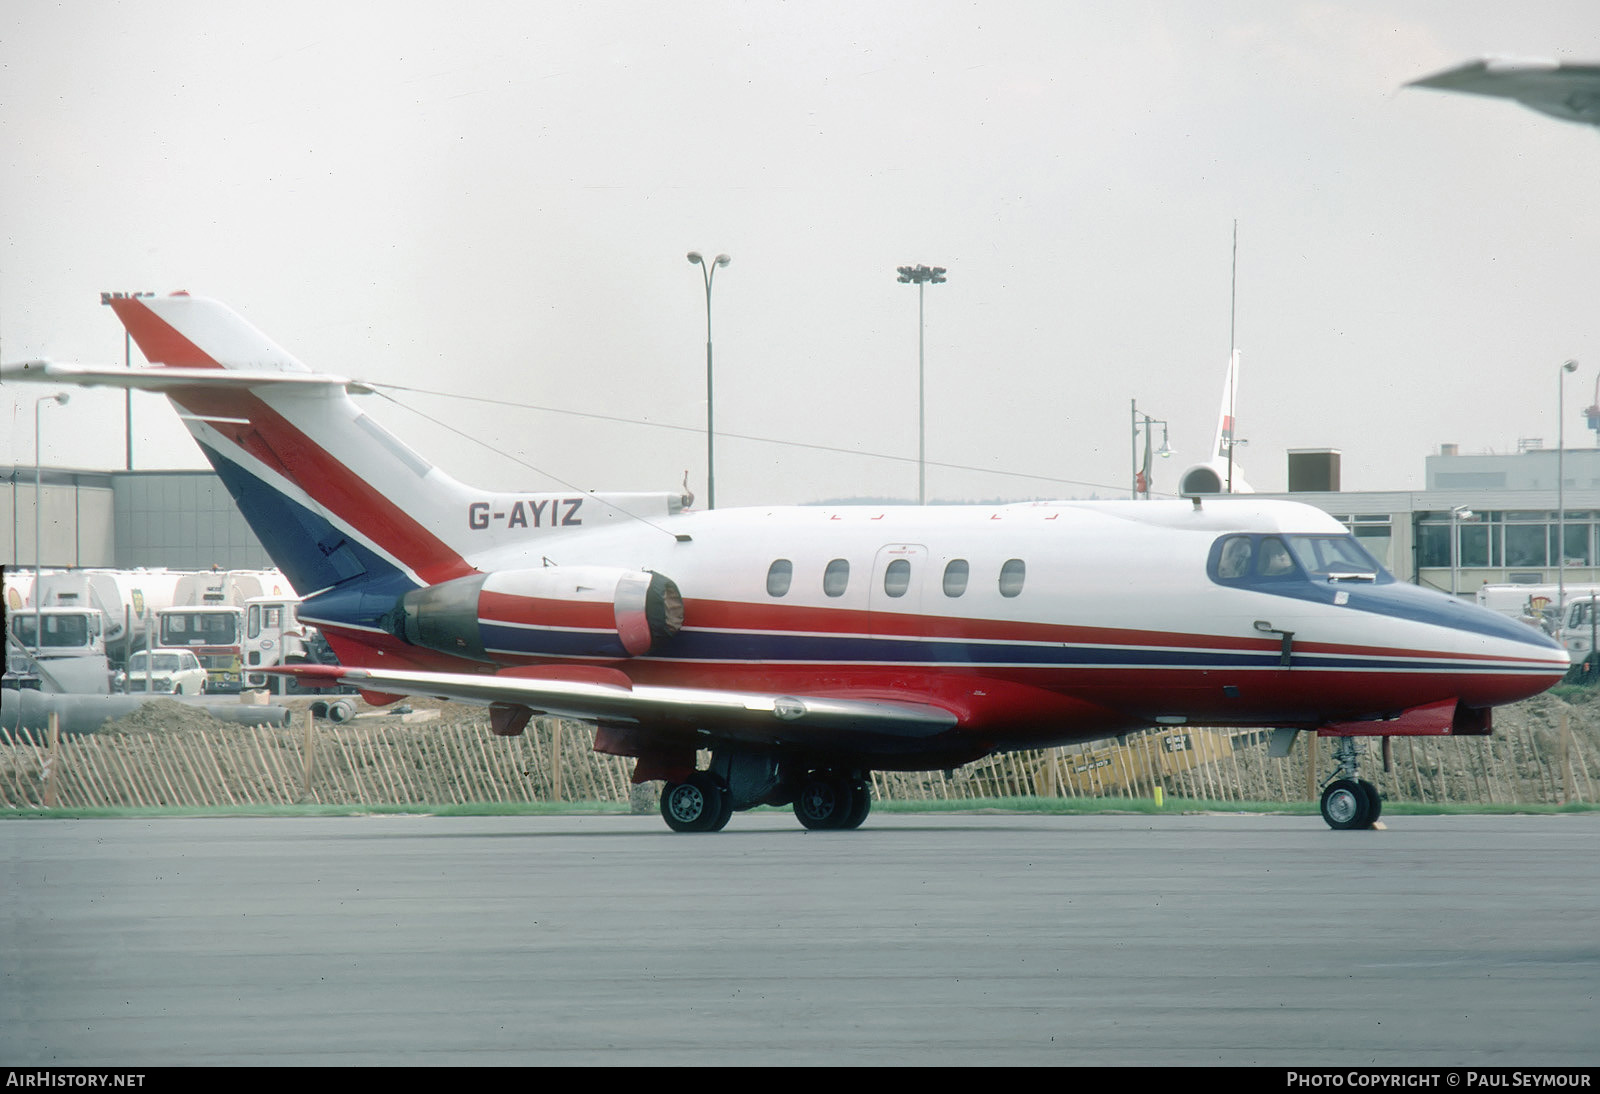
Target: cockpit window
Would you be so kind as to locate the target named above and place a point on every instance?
(1246, 559)
(1272, 558)
(1333, 557)
(1235, 560)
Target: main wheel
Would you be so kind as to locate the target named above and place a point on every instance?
(822, 803)
(860, 803)
(696, 805)
(724, 809)
(1345, 805)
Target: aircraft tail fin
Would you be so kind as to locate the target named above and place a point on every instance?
(337, 500)
(319, 481)
(1221, 473)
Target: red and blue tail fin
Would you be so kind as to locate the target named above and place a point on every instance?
(318, 480)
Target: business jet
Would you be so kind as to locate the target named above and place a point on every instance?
(802, 648)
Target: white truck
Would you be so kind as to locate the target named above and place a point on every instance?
(1535, 604)
(58, 649)
(127, 598)
(207, 618)
(274, 636)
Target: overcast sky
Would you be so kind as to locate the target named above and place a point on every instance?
(495, 199)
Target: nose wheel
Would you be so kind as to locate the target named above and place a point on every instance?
(1349, 801)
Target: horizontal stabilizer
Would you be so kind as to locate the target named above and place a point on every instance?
(165, 379)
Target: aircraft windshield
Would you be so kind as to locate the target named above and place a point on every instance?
(1245, 558)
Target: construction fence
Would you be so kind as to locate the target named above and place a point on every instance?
(389, 763)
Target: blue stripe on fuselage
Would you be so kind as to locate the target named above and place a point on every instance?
(777, 648)
(1402, 601)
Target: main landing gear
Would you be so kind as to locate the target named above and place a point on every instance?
(823, 798)
(828, 799)
(700, 804)
(1349, 801)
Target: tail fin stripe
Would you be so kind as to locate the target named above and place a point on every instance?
(285, 450)
(158, 340)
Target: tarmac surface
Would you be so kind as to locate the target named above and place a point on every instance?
(950, 939)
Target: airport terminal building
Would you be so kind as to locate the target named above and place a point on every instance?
(122, 520)
(1480, 519)
(1488, 519)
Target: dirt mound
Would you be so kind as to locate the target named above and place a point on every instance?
(162, 716)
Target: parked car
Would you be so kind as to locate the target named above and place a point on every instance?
(174, 672)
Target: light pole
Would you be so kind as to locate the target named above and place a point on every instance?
(708, 270)
(1561, 494)
(1457, 514)
(62, 398)
(1141, 478)
(921, 276)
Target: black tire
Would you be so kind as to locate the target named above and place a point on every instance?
(1345, 805)
(724, 810)
(860, 804)
(823, 803)
(697, 804)
(1374, 803)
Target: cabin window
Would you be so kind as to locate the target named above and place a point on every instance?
(779, 574)
(1011, 577)
(836, 577)
(897, 578)
(955, 577)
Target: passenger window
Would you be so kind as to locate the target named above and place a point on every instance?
(897, 578)
(779, 574)
(1011, 577)
(836, 577)
(955, 577)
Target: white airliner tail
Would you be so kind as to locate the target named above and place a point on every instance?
(1220, 474)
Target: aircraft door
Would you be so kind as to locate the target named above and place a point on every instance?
(899, 575)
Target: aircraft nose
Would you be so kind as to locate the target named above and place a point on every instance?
(1519, 660)
(1491, 659)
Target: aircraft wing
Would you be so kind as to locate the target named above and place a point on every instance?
(1567, 91)
(610, 698)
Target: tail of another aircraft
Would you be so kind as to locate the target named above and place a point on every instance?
(1220, 474)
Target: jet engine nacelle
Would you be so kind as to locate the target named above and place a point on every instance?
(1212, 478)
(558, 611)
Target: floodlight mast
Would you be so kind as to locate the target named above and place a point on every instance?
(709, 271)
(921, 276)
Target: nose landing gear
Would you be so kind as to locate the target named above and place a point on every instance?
(1349, 801)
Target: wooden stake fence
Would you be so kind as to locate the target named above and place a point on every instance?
(433, 763)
